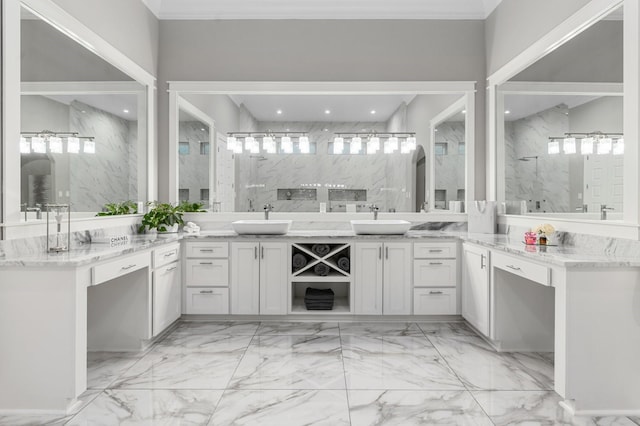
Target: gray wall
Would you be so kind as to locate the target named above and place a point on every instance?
(126, 24)
(322, 50)
(516, 24)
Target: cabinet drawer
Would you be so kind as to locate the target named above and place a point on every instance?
(435, 250)
(207, 272)
(208, 250)
(166, 255)
(521, 267)
(435, 273)
(434, 301)
(121, 266)
(207, 301)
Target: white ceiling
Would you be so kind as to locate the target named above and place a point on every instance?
(321, 9)
(343, 108)
(520, 106)
(112, 103)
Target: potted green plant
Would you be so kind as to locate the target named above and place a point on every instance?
(163, 217)
(115, 209)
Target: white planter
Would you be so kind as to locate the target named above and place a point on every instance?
(170, 229)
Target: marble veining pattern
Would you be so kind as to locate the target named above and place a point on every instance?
(341, 373)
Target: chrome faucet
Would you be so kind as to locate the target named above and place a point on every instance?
(603, 211)
(582, 209)
(375, 210)
(267, 209)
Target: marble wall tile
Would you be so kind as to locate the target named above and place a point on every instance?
(194, 167)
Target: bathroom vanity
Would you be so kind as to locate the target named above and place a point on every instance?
(519, 298)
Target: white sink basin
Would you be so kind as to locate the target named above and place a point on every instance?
(380, 227)
(261, 227)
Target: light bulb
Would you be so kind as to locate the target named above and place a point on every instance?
(393, 143)
(618, 147)
(338, 145)
(303, 145)
(231, 143)
(286, 145)
(553, 147)
(373, 145)
(55, 145)
(405, 147)
(248, 142)
(38, 145)
(586, 146)
(412, 142)
(604, 146)
(73, 145)
(89, 147)
(356, 145)
(269, 145)
(569, 145)
(25, 146)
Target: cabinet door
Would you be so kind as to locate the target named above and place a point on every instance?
(273, 278)
(397, 286)
(475, 287)
(166, 297)
(368, 278)
(245, 279)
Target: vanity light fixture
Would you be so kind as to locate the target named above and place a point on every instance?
(412, 143)
(586, 146)
(286, 144)
(55, 145)
(356, 145)
(303, 145)
(604, 146)
(73, 145)
(89, 147)
(405, 147)
(231, 143)
(338, 145)
(553, 147)
(25, 146)
(54, 140)
(569, 145)
(373, 145)
(269, 145)
(391, 145)
(38, 145)
(618, 147)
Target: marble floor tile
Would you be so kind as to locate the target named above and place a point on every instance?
(538, 366)
(282, 407)
(395, 363)
(146, 407)
(232, 328)
(298, 328)
(480, 367)
(446, 328)
(291, 362)
(50, 419)
(409, 408)
(104, 367)
(536, 407)
(214, 343)
(380, 329)
(187, 370)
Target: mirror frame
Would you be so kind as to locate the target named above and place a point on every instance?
(60, 19)
(582, 19)
(466, 89)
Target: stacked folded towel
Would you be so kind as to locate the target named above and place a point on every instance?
(299, 261)
(318, 299)
(191, 228)
(321, 269)
(321, 249)
(344, 263)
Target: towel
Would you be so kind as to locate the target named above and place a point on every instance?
(299, 261)
(344, 264)
(316, 299)
(321, 249)
(321, 269)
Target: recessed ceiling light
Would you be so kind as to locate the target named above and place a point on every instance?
(373, 111)
(464, 111)
(279, 112)
(436, 130)
(202, 130)
(84, 112)
(327, 111)
(507, 112)
(126, 111)
(325, 130)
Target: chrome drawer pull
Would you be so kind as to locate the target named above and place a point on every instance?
(206, 250)
(206, 263)
(435, 263)
(435, 251)
(515, 268)
(380, 252)
(171, 269)
(124, 268)
(435, 292)
(173, 253)
(482, 261)
(206, 291)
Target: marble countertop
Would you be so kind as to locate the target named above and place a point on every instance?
(565, 256)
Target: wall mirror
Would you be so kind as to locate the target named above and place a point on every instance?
(560, 132)
(82, 124)
(306, 152)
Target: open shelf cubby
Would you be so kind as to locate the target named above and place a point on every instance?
(342, 301)
(333, 254)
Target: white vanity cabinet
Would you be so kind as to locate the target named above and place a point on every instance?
(382, 278)
(206, 278)
(166, 280)
(435, 278)
(476, 286)
(259, 278)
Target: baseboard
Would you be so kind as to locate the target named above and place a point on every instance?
(325, 318)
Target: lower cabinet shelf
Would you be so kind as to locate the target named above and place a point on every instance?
(342, 302)
(340, 306)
